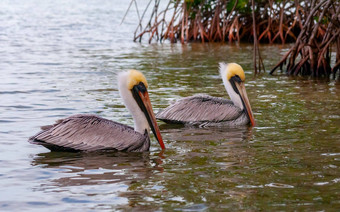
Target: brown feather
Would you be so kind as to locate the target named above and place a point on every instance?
(203, 110)
(90, 133)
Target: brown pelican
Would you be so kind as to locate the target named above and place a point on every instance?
(204, 110)
(91, 133)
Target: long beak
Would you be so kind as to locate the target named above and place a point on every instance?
(242, 90)
(150, 116)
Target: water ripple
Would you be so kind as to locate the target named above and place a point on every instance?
(60, 58)
(279, 185)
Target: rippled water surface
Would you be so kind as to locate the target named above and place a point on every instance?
(59, 58)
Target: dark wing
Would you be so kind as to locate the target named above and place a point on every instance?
(200, 108)
(90, 133)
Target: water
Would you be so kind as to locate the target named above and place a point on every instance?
(61, 57)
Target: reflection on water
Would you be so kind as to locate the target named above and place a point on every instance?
(181, 134)
(97, 168)
(62, 58)
(98, 178)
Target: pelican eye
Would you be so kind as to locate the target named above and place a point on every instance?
(140, 87)
(136, 90)
(236, 78)
(233, 80)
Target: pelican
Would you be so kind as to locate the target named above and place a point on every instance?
(203, 110)
(86, 132)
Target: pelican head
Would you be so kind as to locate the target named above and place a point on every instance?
(133, 89)
(233, 79)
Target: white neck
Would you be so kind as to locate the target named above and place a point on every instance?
(141, 123)
(232, 94)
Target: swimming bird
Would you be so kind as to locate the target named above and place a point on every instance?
(204, 110)
(86, 132)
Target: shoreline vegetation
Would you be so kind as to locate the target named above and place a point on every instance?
(311, 25)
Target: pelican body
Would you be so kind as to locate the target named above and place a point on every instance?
(86, 132)
(204, 110)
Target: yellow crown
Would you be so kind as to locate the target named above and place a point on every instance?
(135, 77)
(235, 69)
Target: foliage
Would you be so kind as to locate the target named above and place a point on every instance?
(265, 21)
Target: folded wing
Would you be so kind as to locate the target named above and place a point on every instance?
(90, 133)
(200, 108)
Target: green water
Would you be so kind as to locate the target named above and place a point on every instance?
(62, 58)
(289, 161)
